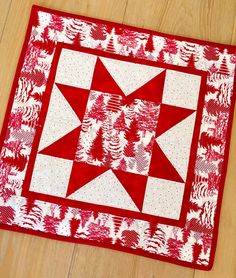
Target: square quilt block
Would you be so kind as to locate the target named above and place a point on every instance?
(126, 146)
(118, 137)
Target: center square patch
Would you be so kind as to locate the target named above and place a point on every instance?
(117, 135)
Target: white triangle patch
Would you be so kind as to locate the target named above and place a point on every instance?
(105, 190)
(130, 76)
(176, 144)
(60, 119)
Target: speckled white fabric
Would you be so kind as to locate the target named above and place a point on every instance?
(51, 175)
(60, 120)
(75, 68)
(130, 76)
(105, 190)
(176, 144)
(163, 198)
(181, 89)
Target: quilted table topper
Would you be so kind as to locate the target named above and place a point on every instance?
(118, 137)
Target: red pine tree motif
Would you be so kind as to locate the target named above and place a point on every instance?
(73, 28)
(128, 38)
(98, 32)
(120, 124)
(107, 162)
(130, 238)
(78, 38)
(131, 113)
(211, 53)
(186, 232)
(56, 23)
(19, 161)
(149, 44)
(98, 232)
(155, 236)
(107, 128)
(63, 211)
(170, 46)
(131, 54)
(187, 50)
(45, 34)
(35, 20)
(117, 221)
(97, 150)
(147, 117)
(131, 133)
(97, 111)
(7, 215)
(15, 120)
(149, 146)
(141, 52)
(132, 136)
(223, 67)
(207, 141)
(6, 193)
(197, 248)
(110, 46)
(84, 215)
(191, 61)
(207, 241)
(47, 46)
(141, 159)
(114, 147)
(129, 150)
(215, 108)
(152, 229)
(174, 247)
(123, 165)
(74, 225)
(32, 214)
(50, 224)
(86, 124)
(114, 103)
(161, 57)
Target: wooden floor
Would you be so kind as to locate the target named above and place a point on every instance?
(23, 256)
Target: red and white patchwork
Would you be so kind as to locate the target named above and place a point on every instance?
(114, 142)
(118, 137)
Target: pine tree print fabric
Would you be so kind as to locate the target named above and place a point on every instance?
(118, 137)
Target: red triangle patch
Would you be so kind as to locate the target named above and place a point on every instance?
(134, 184)
(65, 147)
(150, 91)
(161, 167)
(170, 116)
(81, 174)
(103, 81)
(76, 97)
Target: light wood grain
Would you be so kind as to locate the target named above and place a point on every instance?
(27, 256)
(24, 256)
(4, 8)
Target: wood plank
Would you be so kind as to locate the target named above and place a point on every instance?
(149, 268)
(91, 262)
(4, 8)
(206, 20)
(25, 256)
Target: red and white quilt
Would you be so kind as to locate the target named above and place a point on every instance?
(118, 137)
